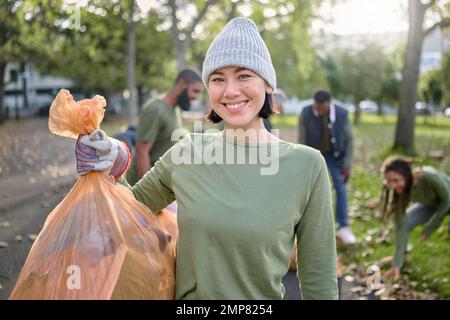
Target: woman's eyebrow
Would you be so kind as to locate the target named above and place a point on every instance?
(235, 71)
(217, 73)
(240, 69)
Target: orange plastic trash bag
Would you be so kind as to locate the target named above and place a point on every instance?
(99, 242)
(168, 220)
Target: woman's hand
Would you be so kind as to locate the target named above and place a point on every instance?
(98, 152)
(393, 273)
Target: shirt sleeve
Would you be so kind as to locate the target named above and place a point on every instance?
(349, 144)
(301, 129)
(401, 239)
(155, 187)
(149, 125)
(124, 182)
(443, 205)
(316, 252)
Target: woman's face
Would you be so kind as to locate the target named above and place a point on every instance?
(237, 95)
(395, 181)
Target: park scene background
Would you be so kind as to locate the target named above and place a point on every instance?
(387, 62)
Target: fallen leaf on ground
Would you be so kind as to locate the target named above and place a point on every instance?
(381, 292)
(436, 154)
(358, 194)
(357, 289)
(349, 278)
(365, 218)
(385, 261)
(372, 203)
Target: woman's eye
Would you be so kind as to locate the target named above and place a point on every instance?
(243, 76)
(216, 79)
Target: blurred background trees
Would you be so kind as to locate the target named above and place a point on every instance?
(94, 43)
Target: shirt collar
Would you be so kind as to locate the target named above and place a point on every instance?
(332, 112)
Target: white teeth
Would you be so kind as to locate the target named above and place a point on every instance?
(235, 106)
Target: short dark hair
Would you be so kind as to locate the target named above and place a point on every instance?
(265, 112)
(189, 76)
(322, 96)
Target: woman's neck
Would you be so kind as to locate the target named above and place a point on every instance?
(253, 132)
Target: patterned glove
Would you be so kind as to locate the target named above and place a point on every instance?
(98, 152)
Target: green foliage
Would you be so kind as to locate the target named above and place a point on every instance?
(430, 84)
(27, 28)
(93, 52)
(288, 39)
(365, 73)
(94, 55)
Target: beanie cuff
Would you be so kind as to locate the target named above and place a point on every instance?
(239, 58)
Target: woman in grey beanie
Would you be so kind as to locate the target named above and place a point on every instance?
(238, 221)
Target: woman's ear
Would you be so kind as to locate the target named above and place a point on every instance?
(269, 89)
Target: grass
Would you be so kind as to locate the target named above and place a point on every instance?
(374, 138)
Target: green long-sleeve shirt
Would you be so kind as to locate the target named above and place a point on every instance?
(432, 189)
(237, 226)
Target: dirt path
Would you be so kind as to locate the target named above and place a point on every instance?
(37, 170)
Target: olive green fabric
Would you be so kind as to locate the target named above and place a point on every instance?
(237, 226)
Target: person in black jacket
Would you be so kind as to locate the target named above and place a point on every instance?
(325, 126)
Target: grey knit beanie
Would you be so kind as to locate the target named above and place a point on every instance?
(239, 44)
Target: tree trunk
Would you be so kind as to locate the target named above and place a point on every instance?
(131, 68)
(233, 10)
(404, 134)
(181, 47)
(2, 89)
(24, 85)
(140, 97)
(443, 102)
(379, 107)
(178, 38)
(357, 115)
(182, 39)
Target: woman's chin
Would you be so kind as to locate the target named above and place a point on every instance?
(238, 125)
(241, 123)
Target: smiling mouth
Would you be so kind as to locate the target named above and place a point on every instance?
(235, 105)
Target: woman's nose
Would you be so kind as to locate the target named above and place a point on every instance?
(231, 89)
